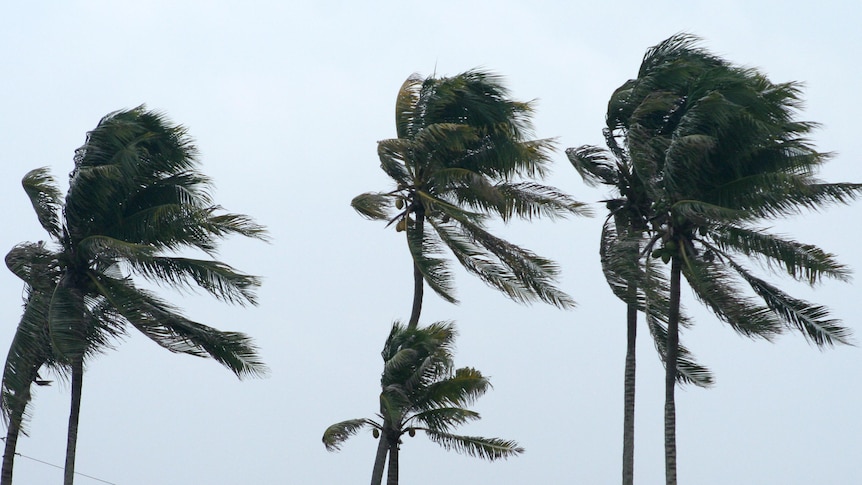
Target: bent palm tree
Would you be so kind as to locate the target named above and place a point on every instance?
(421, 392)
(461, 146)
(717, 150)
(135, 194)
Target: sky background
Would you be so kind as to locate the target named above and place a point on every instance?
(286, 101)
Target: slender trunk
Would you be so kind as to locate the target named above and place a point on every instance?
(380, 460)
(392, 473)
(418, 280)
(72, 441)
(671, 371)
(629, 393)
(12, 432)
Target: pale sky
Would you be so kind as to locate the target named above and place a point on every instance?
(286, 101)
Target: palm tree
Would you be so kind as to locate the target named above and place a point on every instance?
(421, 392)
(135, 195)
(624, 232)
(461, 149)
(717, 150)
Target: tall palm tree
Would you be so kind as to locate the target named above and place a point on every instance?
(460, 156)
(718, 151)
(135, 196)
(421, 392)
(624, 233)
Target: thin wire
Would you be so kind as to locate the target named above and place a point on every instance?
(61, 468)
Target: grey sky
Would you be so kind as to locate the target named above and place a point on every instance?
(286, 101)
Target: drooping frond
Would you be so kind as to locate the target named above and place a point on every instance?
(715, 288)
(811, 320)
(29, 351)
(525, 276)
(435, 270)
(394, 154)
(373, 205)
(338, 433)
(45, 197)
(594, 165)
(688, 371)
(166, 326)
(511, 275)
(36, 265)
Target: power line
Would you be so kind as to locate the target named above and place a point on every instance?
(61, 468)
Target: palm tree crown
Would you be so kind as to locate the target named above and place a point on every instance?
(422, 392)
(714, 150)
(461, 149)
(717, 150)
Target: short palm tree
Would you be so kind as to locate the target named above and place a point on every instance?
(460, 154)
(421, 392)
(135, 195)
(717, 150)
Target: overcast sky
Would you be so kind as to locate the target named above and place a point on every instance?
(286, 101)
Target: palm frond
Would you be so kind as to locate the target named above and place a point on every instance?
(406, 115)
(29, 351)
(801, 261)
(443, 419)
(434, 270)
(36, 265)
(486, 448)
(529, 199)
(594, 165)
(688, 370)
(373, 205)
(394, 154)
(218, 279)
(336, 434)
(166, 326)
(812, 320)
(714, 287)
(461, 389)
(521, 274)
(46, 199)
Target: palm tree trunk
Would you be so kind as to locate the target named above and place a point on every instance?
(380, 460)
(670, 372)
(72, 439)
(418, 280)
(12, 432)
(392, 473)
(629, 393)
